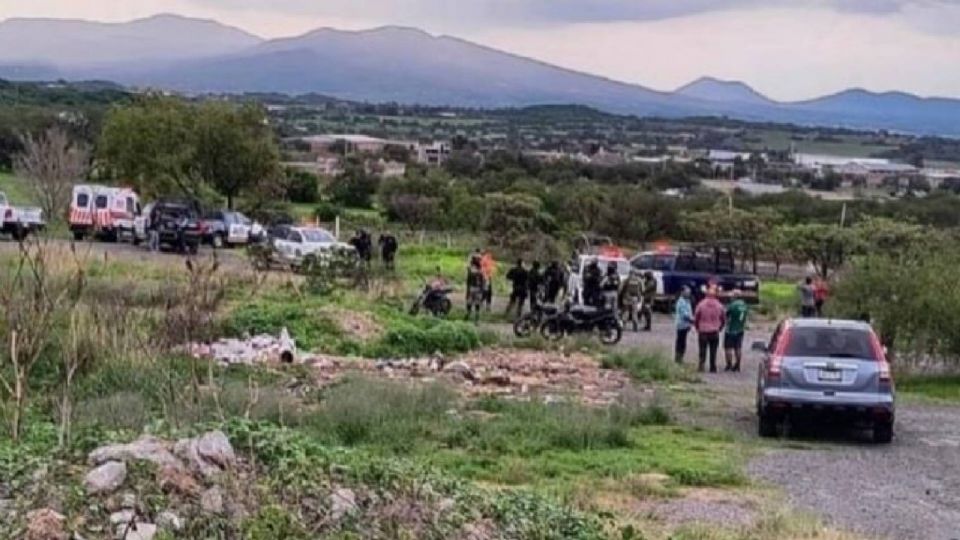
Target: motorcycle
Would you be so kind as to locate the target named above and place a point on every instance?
(435, 301)
(525, 325)
(577, 319)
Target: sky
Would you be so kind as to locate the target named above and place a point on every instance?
(787, 49)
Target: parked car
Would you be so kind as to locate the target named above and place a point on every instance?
(177, 223)
(19, 221)
(293, 246)
(104, 212)
(226, 228)
(831, 369)
(698, 268)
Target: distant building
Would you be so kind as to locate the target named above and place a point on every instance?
(435, 153)
(386, 169)
(353, 143)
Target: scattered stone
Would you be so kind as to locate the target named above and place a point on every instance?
(129, 500)
(45, 524)
(343, 501)
(169, 521)
(106, 478)
(146, 448)
(255, 350)
(136, 531)
(122, 517)
(176, 480)
(211, 502)
(215, 447)
(462, 369)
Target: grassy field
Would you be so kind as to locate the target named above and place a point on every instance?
(16, 189)
(941, 388)
(850, 147)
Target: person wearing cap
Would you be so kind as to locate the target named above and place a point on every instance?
(709, 319)
(684, 319)
(736, 316)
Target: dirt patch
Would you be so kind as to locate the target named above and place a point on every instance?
(707, 506)
(357, 324)
(502, 372)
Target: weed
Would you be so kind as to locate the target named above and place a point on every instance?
(942, 387)
(647, 367)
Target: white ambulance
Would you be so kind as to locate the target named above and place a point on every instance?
(103, 212)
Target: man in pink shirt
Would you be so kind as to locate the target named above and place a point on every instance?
(709, 319)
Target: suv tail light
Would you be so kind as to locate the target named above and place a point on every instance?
(775, 364)
(884, 367)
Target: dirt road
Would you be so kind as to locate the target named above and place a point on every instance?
(909, 489)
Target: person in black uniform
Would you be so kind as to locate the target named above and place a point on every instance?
(517, 276)
(534, 285)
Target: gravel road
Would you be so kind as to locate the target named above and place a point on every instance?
(907, 490)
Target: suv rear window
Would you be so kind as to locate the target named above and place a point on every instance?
(830, 343)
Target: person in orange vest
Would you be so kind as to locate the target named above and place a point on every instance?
(488, 266)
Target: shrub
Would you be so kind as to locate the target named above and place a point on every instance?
(647, 367)
(411, 339)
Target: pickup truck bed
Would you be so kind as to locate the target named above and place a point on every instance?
(19, 221)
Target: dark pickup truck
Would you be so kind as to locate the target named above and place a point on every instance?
(178, 225)
(698, 268)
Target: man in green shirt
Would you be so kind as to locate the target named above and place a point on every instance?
(733, 338)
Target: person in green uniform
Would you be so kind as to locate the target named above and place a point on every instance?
(733, 337)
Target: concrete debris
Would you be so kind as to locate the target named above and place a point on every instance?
(106, 478)
(262, 349)
(136, 531)
(45, 524)
(342, 502)
(523, 374)
(211, 502)
(169, 521)
(208, 454)
(122, 517)
(145, 448)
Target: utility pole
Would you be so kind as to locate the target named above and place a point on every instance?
(843, 215)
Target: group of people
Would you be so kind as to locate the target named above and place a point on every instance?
(709, 319)
(362, 241)
(537, 285)
(813, 296)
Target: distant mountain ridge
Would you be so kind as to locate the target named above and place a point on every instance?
(407, 65)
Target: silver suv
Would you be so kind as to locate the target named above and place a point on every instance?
(830, 369)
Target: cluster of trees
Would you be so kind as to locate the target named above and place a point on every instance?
(203, 150)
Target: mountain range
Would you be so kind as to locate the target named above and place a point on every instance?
(406, 65)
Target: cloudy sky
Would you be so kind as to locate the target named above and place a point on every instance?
(788, 49)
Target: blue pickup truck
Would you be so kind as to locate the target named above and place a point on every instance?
(698, 268)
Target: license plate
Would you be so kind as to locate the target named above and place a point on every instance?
(830, 375)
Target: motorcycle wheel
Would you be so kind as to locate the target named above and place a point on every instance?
(611, 334)
(524, 326)
(551, 330)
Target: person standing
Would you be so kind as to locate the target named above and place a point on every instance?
(590, 287)
(534, 285)
(808, 298)
(649, 296)
(388, 250)
(736, 317)
(631, 299)
(611, 289)
(475, 288)
(555, 282)
(821, 291)
(517, 276)
(684, 319)
(489, 268)
(708, 319)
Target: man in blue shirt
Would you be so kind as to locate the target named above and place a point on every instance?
(684, 320)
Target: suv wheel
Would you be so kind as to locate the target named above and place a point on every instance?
(883, 432)
(766, 425)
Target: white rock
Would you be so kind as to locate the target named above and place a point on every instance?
(211, 502)
(215, 447)
(122, 517)
(145, 448)
(137, 531)
(169, 521)
(106, 478)
(343, 501)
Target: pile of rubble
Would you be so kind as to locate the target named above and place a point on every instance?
(502, 372)
(259, 349)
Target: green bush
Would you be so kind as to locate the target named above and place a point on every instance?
(425, 336)
(273, 522)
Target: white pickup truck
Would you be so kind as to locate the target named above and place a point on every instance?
(19, 221)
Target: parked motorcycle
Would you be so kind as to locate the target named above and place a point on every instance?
(524, 326)
(435, 301)
(579, 319)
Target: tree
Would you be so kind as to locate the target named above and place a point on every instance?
(235, 149)
(355, 187)
(302, 186)
(52, 163)
(151, 144)
(824, 246)
(510, 218)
